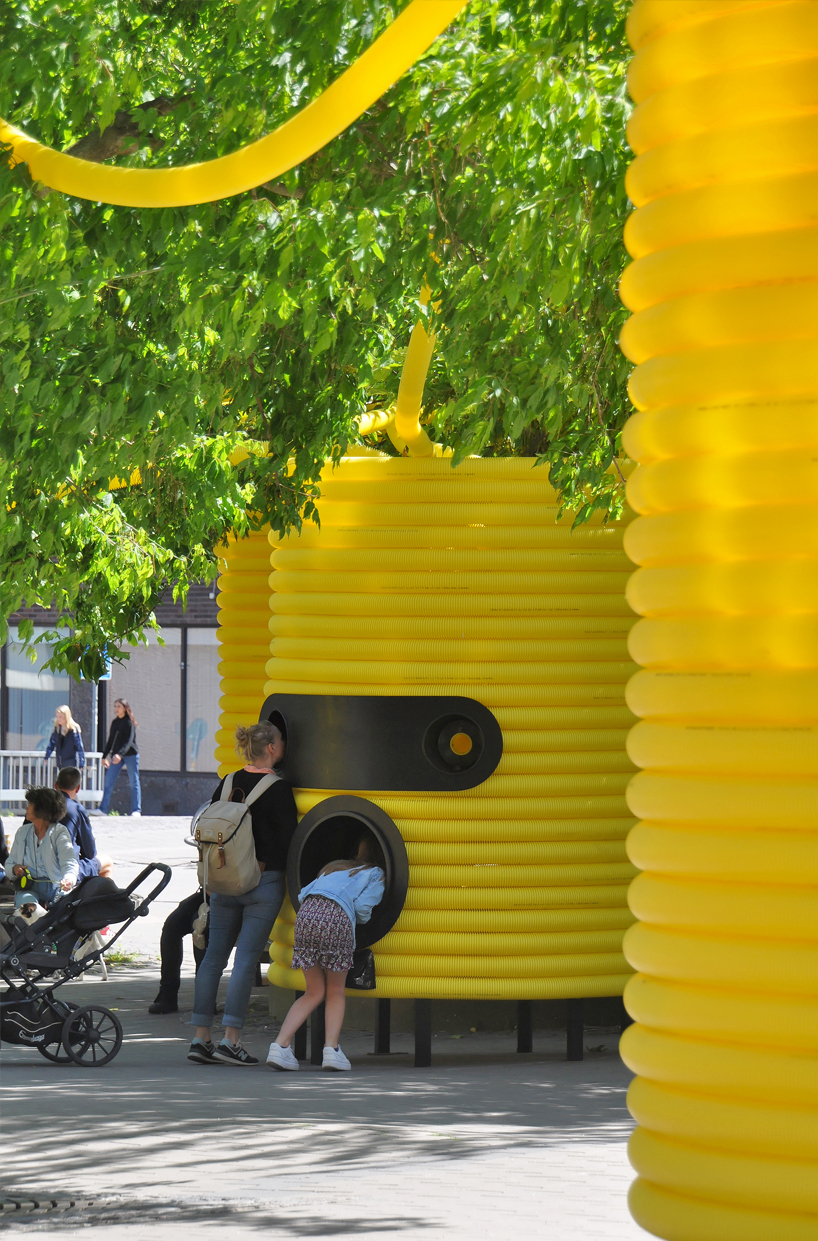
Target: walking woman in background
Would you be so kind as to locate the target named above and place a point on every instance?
(66, 740)
(245, 922)
(120, 751)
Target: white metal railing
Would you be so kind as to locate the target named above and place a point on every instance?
(21, 768)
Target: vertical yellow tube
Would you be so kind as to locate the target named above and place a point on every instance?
(724, 290)
(410, 393)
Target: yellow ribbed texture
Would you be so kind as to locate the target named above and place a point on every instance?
(243, 616)
(724, 290)
(428, 580)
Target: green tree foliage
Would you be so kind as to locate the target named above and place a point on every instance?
(139, 348)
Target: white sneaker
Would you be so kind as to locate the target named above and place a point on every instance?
(137, 814)
(282, 1058)
(335, 1060)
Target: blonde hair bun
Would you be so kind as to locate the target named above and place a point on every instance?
(252, 742)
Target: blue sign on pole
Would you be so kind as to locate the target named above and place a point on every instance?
(106, 676)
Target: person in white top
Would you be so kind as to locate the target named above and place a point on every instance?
(42, 849)
(345, 893)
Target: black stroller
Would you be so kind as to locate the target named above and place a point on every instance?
(36, 959)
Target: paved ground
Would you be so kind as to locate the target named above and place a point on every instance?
(486, 1143)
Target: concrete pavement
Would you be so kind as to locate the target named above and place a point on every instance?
(486, 1143)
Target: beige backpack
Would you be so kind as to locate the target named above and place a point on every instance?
(227, 849)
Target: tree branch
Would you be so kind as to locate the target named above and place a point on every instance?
(123, 136)
(277, 187)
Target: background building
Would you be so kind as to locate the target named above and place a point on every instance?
(172, 688)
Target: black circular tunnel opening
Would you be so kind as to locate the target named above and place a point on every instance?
(332, 830)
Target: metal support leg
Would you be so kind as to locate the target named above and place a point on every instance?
(317, 1034)
(574, 1030)
(300, 1037)
(423, 1034)
(525, 1026)
(383, 1027)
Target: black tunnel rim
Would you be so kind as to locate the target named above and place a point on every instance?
(386, 914)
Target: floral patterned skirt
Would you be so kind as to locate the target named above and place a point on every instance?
(323, 936)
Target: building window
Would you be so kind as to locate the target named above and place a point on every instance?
(202, 699)
(164, 685)
(151, 681)
(173, 689)
(31, 695)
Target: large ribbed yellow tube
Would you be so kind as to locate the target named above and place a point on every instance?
(427, 580)
(724, 291)
(244, 612)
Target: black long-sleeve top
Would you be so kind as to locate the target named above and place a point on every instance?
(274, 817)
(121, 738)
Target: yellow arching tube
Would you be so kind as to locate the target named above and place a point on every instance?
(244, 640)
(724, 290)
(427, 580)
(396, 50)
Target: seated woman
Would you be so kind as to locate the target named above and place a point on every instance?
(43, 848)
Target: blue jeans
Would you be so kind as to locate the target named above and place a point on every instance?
(246, 922)
(131, 764)
(42, 890)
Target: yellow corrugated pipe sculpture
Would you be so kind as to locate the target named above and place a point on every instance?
(724, 290)
(356, 89)
(244, 639)
(427, 580)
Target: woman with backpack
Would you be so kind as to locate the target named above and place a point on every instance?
(245, 921)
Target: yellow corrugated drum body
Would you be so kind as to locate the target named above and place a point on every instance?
(724, 291)
(243, 638)
(428, 580)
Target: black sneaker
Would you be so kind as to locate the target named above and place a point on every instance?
(201, 1052)
(229, 1053)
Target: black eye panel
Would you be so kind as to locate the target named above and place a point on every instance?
(430, 744)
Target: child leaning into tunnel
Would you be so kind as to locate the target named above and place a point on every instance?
(345, 892)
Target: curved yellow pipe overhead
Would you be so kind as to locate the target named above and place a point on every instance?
(397, 49)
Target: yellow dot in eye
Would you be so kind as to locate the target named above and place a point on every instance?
(461, 743)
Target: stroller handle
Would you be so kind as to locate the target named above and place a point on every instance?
(166, 873)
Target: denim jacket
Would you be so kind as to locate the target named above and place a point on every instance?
(356, 891)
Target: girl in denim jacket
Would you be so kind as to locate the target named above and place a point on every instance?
(345, 893)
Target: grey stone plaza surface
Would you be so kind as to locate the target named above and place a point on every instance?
(486, 1143)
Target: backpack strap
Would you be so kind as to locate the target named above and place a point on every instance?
(227, 788)
(263, 785)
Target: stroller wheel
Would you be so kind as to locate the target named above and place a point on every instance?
(92, 1036)
(55, 1052)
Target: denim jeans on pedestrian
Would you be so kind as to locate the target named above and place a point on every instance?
(245, 921)
(131, 764)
